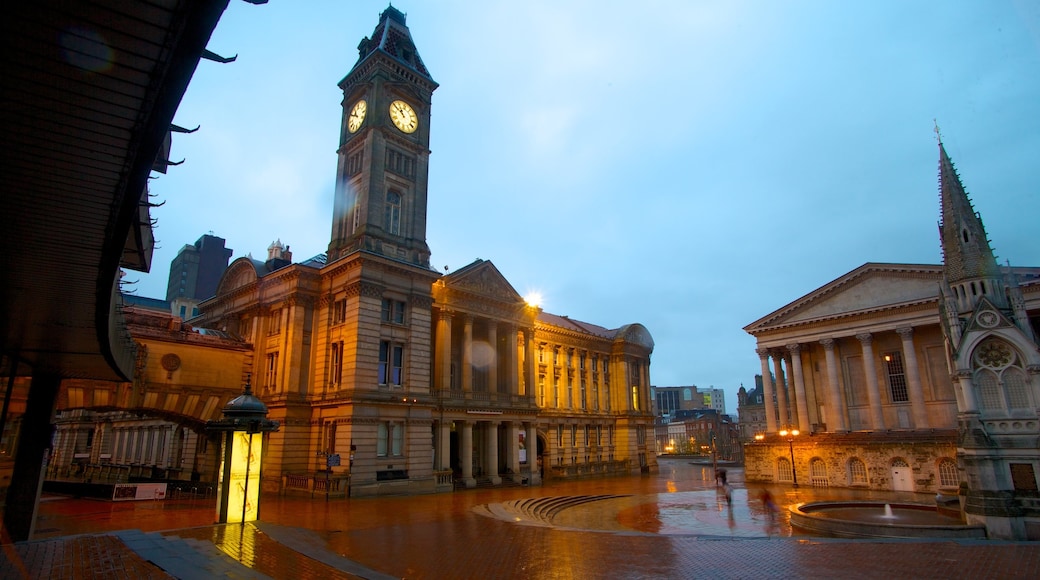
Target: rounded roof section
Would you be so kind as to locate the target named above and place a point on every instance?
(636, 333)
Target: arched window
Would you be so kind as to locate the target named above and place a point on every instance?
(1001, 383)
(947, 473)
(857, 472)
(783, 470)
(818, 473)
(392, 223)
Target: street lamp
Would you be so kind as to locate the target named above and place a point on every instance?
(242, 428)
(790, 435)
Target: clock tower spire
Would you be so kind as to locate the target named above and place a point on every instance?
(384, 148)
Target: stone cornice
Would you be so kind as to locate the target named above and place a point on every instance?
(918, 271)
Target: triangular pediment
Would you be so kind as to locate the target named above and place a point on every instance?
(482, 278)
(870, 288)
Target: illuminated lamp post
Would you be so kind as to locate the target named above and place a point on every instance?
(790, 435)
(238, 495)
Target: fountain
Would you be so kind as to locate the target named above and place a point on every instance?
(865, 519)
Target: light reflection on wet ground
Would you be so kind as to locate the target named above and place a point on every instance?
(407, 535)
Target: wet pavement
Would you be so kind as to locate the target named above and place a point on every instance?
(675, 524)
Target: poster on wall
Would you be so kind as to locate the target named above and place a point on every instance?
(244, 488)
(523, 448)
(138, 491)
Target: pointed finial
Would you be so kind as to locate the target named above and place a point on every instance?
(249, 387)
(938, 135)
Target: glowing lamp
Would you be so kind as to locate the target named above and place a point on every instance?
(244, 423)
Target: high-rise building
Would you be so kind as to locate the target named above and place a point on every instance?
(194, 274)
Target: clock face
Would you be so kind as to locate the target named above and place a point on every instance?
(402, 114)
(357, 116)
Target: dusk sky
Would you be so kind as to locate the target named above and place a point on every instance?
(688, 165)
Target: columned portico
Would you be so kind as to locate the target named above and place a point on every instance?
(466, 454)
(532, 453)
(877, 418)
(491, 467)
(913, 378)
(835, 406)
(767, 390)
(443, 462)
(795, 351)
(467, 355)
(781, 390)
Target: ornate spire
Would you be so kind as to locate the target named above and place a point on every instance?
(966, 251)
(391, 37)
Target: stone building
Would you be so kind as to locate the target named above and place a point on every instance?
(912, 377)
(751, 411)
(379, 367)
(154, 426)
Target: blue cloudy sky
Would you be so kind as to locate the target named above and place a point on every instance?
(689, 165)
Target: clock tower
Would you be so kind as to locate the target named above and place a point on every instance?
(384, 149)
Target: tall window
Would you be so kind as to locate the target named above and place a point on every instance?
(857, 472)
(272, 369)
(330, 438)
(582, 394)
(541, 389)
(818, 473)
(999, 377)
(275, 324)
(392, 221)
(391, 363)
(389, 439)
(948, 473)
(336, 363)
(574, 435)
(339, 311)
(586, 436)
(556, 390)
(783, 470)
(896, 376)
(559, 436)
(393, 311)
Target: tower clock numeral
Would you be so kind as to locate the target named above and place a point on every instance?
(403, 116)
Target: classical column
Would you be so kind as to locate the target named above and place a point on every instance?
(877, 418)
(767, 390)
(492, 453)
(492, 365)
(913, 376)
(532, 453)
(795, 352)
(513, 433)
(443, 446)
(467, 354)
(466, 454)
(530, 370)
(781, 390)
(442, 344)
(836, 415)
(511, 361)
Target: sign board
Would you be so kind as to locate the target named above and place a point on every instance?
(138, 491)
(332, 460)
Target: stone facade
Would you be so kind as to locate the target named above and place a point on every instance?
(943, 356)
(415, 381)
